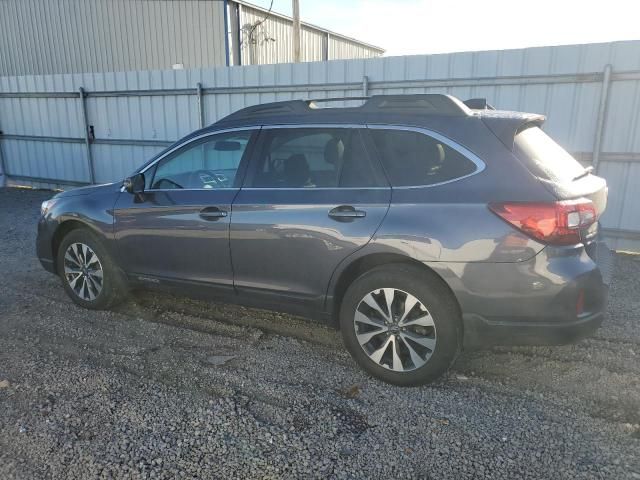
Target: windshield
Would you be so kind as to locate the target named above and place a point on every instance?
(544, 157)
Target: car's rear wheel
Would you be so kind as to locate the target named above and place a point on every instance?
(89, 276)
(401, 324)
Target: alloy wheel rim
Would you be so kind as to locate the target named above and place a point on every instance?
(395, 329)
(83, 271)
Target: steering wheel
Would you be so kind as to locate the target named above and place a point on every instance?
(159, 184)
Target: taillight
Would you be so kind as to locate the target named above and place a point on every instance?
(556, 223)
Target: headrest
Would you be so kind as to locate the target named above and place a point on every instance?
(440, 153)
(435, 154)
(296, 170)
(333, 151)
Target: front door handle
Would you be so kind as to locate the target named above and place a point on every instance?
(212, 213)
(346, 213)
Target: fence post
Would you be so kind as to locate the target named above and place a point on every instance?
(87, 141)
(3, 165)
(200, 105)
(365, 86)
(602, 114)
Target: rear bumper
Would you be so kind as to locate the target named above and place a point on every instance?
(480, 332)
(557, 297)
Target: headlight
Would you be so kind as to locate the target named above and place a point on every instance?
(47, 205)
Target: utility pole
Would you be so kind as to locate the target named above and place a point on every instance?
(296, 31)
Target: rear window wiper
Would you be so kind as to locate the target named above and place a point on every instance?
(586, 172)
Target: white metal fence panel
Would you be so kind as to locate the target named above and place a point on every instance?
(132, 115)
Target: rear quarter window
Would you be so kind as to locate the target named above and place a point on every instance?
(544, 157)
(413, 158)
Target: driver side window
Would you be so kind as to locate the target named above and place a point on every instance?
(208, 163)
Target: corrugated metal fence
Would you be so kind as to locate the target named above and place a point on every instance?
(61, 130)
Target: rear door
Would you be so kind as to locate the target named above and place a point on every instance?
(312, 197)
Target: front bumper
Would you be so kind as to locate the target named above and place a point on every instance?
(44, 245)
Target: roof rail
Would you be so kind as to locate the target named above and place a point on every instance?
(313, 101)
(424, 103)
(273, 108)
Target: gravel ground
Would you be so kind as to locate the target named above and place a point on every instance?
(167, 387)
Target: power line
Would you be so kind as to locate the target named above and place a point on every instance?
(257, 24)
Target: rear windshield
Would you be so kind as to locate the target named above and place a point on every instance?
(544, 157)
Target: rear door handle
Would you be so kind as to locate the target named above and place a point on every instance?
(212, 213)
(346, 213)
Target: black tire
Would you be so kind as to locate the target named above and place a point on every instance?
(437, 299)
(113, 286)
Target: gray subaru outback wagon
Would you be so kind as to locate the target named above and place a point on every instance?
(419, 224)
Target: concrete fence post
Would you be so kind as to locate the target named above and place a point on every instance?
(602, 117)
(3, 167)
(201, 119)
(365, 86)
(87, 140)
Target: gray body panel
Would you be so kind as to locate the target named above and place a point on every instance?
(91, 207)
(164, 236)
(284, 241)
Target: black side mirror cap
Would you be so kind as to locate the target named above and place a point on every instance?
(134, 184)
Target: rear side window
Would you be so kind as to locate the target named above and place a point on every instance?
(313, 158)
(544, 157)
(414, 158)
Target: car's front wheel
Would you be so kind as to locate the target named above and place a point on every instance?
(88, 274)
(401, 324)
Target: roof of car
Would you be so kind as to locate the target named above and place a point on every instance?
(381, 109)
(313, 110)
(310, 111)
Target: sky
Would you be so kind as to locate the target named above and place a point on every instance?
(407, 27)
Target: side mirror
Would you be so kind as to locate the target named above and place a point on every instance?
(134, 184)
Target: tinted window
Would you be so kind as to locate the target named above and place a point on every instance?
(413, 158)
(544, 157)
(209, 163)
(313, 157)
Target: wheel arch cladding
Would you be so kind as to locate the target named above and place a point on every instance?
(370, 261)
(63, 229)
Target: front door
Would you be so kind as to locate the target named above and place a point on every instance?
(312, 197)
(178, 230)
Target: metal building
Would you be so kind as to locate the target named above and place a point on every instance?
(79, 36)
(257, 36)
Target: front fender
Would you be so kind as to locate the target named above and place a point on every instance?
(94, 212)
